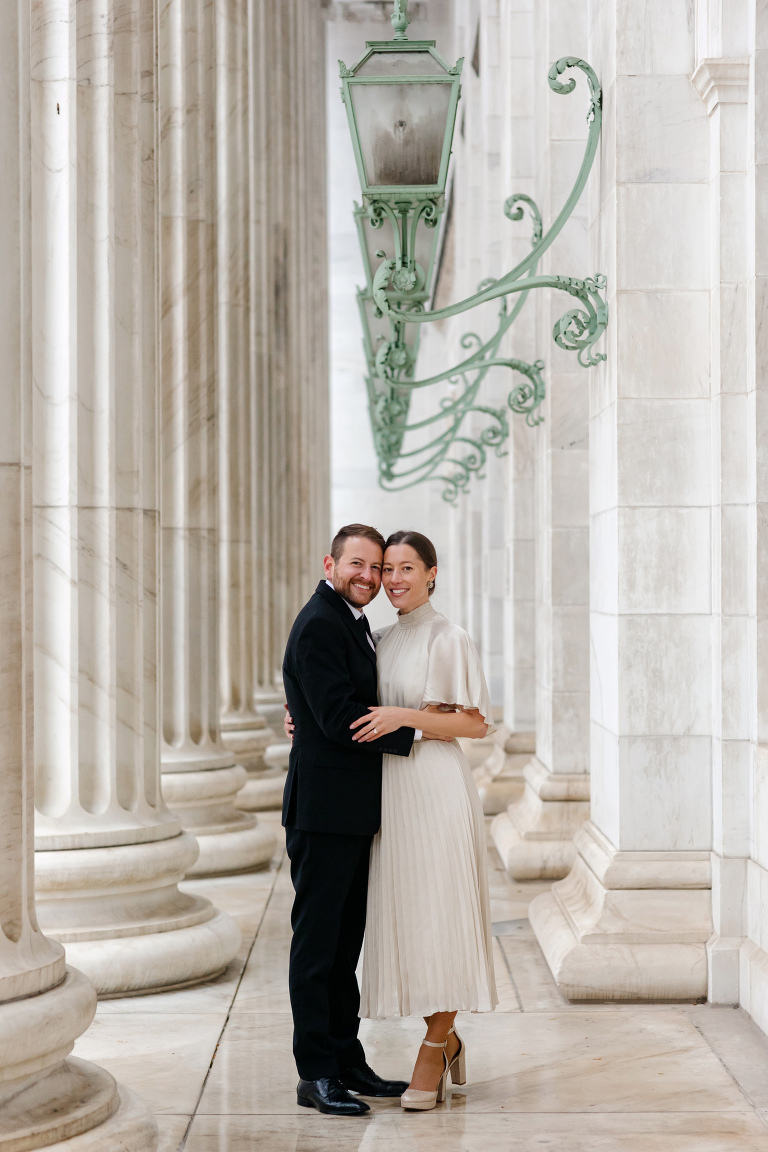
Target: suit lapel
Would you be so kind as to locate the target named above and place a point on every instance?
(341, 606)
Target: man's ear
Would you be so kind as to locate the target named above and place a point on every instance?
(328, 566)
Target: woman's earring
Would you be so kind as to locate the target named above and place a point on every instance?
(430, 584)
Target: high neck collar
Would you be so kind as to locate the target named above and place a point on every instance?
(421, 615)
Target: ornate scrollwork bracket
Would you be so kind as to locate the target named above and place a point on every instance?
(442, 448)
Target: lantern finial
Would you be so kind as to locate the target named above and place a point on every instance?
(400, 19)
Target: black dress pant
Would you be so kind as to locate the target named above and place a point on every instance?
(330, 878)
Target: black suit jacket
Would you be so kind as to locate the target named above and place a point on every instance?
(329, 672)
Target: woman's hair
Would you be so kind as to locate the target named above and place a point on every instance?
(424, 548)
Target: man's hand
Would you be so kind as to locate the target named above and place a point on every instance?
(288, 724)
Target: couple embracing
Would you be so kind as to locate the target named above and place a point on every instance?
(384, 826)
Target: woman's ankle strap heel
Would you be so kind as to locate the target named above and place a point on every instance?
(458, 1065)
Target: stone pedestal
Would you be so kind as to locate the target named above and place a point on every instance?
(534, 837)
(499, 778)
(627, 925)
(200, 776)
(110, 852)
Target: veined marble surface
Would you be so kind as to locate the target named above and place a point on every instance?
(215, 1061)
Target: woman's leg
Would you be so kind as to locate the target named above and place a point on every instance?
(429, 1062)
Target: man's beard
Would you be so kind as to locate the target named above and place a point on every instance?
(345, 589)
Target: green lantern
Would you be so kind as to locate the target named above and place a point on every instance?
(401, 100)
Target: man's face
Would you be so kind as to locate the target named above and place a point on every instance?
(357, 574)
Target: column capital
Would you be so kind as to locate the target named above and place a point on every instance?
(722, 80)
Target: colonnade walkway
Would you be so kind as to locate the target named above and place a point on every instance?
(215, 1061)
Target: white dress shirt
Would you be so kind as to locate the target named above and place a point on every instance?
(357, 613)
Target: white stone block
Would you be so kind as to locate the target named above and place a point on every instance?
(664, 675)
(659, 239)
(664, 558)
(653, 359)
(662, 124)
(663, 452)
(666, 793)
(655, 38)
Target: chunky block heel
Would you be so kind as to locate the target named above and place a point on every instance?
(458, 1066)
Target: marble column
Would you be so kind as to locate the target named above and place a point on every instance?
(201, 778)
(289, 336)
(507, 78)
(109, 851)
(46, 1097)
(534, 836)
(244, 731)
(632, 919)
(722, 80)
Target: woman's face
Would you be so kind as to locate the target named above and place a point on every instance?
(405, 577)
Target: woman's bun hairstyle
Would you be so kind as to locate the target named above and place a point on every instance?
(424, 548)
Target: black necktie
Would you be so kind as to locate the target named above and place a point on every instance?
(363, 622)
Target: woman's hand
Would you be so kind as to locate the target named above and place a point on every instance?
(379, 722)
(288, 725)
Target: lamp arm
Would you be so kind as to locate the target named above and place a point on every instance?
(507, 282)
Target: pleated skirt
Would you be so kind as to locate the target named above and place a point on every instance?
(428, 943)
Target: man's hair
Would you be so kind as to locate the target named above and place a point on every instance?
(339, 541)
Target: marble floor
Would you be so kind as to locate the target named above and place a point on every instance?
(215, 1061)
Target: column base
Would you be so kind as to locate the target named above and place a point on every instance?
(247, 741)
(172, 960)
(131, 1128)
(534, 837)
(51, 1100)
(627, 925)
(231, 852)
(123, 920)
(753, 982)
(230, 840)
(262, 793)
(271, 705)
(499, 778)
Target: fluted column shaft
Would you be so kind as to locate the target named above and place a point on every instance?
(291, 319)
(45, 1097)
(102, 825)
(244, 730)
(201, 778)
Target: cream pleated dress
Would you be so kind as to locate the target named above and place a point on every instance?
(428, 929)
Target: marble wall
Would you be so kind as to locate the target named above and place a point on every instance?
(610, 567)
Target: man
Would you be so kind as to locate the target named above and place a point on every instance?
(331, 811)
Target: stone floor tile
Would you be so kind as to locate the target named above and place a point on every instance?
(522, 1062)
(243, 897)
(535, 984)
(740, 1044)
(171, 1131)
(438, 1132)
(162, 1056)
(505, 987)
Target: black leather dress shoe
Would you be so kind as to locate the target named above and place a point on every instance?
(329, 1095)
(365, 1081)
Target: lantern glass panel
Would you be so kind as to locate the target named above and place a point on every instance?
(401, 128)
(401, 64)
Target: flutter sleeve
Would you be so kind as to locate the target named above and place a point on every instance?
(454, 673)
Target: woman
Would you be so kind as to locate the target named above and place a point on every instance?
(428, 928)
